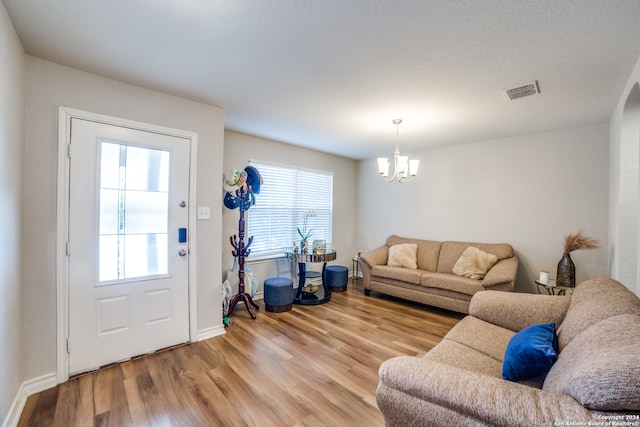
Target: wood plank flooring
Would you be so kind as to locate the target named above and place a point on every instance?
(311, 366)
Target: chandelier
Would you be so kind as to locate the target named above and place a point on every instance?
(404, 169)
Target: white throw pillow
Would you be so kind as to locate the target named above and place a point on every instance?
(474, 263)
(403, 255)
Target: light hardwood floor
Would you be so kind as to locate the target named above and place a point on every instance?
(311, 366)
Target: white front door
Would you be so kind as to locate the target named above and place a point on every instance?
(128, 243)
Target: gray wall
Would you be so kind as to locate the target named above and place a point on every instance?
(528, 191)
(50, 85)
(11, 212)
(240, 148)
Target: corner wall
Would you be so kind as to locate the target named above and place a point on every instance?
(11, 212)
(240, 148)
(51, 85)
(528, 191)
(618, 168)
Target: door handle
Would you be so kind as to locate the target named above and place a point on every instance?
(182, 252)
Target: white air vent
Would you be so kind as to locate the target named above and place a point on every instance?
(521, 91)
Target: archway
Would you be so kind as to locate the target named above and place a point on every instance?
(629, 201)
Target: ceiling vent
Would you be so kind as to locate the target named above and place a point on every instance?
(521, 91)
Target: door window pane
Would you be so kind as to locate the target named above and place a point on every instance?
(151, 170)
(134, 212)
(109, 211)
(146, 212)
(145, 254)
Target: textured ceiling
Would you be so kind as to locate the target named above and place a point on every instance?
(333, 74)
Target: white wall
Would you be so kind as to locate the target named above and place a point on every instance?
(11, 212)
(50, 85)
(618, 167)
(240, 148)
(528, 191)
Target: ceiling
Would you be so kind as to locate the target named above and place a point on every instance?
(333, 74)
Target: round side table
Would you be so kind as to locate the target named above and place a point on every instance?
(308, 296)
(552, 288)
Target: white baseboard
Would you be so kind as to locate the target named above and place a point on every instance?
(27, 388)
(207, 333)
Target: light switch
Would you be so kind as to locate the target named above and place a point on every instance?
(204, 212)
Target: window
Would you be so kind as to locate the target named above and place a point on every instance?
(134, 212)
(286, 197)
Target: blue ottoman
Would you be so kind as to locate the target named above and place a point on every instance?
(336, 278)
(278, 294)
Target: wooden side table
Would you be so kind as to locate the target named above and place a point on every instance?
(552, 288)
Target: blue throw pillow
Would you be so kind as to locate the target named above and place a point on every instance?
(530, 352)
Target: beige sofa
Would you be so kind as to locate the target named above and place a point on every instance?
(433, 281)
(596, 377)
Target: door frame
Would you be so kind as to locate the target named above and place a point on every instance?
(65, 115)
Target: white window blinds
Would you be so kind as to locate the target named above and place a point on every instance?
(286, 196)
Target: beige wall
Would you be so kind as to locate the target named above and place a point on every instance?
(49, 86)
(11, 212)
(240, 148)
(528, 191)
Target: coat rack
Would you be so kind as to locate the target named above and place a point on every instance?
(247, 183)
(241, 251)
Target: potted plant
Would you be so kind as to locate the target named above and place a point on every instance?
(566, 274)
(304, 234)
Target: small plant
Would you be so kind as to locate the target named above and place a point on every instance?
(576, 241)
(304, 234)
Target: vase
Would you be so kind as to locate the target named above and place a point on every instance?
(304, 246)
(566, 275)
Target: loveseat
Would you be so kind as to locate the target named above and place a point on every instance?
(430, 278)
(594, 381)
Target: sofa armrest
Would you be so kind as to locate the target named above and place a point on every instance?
(487, 399)
(368, 259)
(516, 311)
(377, 256)
(503, 273)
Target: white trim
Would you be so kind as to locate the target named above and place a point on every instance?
(193, 302)
(27, 388)
(65, 115)
(211, 332)
(62, 236)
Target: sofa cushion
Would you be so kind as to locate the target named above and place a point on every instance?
(531, 352)
(408, 275)
(461, 356)
(450, 253)
(428, 251)
(474, 263)
(403, 255)
(600, 367)
(484, 337)
(451, 282)
(592, 301)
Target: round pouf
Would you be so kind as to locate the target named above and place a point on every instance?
(278, 294)
(336, 278)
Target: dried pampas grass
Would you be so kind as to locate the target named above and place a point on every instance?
(576, 241)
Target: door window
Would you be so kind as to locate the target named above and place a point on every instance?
(134, 212)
